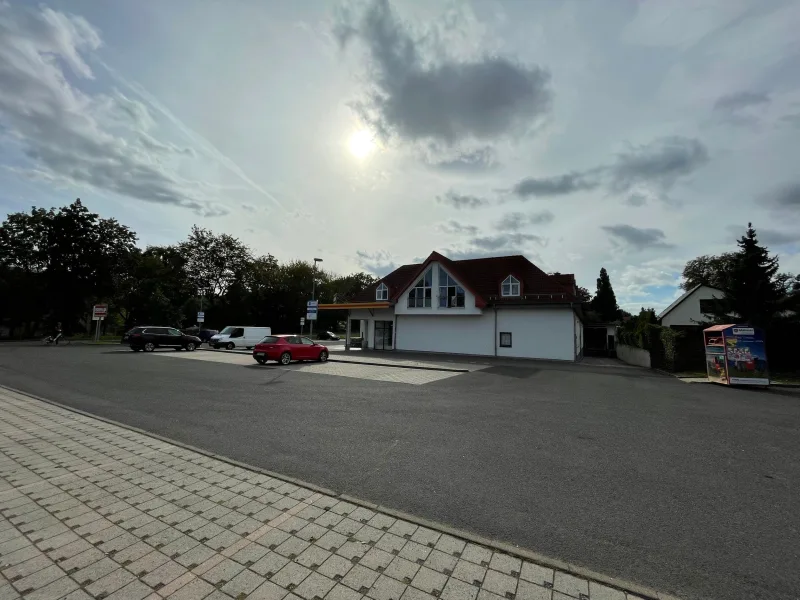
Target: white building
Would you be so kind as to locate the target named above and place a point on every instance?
(692, 308)
(504, 306)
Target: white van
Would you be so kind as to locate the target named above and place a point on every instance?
(235, 336)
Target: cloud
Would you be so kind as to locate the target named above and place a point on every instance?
(63, 131)
(419, 92)
(514, 221)
(635, 280)
(460, 201)
(454, 227)
(636, 200)
(660, 163)
(553, 186)
(380, 262)
(249, 208)
(634, 237)
(498, 242)
(733, 102)
(784, 197)
(471, 161)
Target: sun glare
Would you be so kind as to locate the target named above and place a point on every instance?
(361, 143)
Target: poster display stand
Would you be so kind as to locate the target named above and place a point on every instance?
(736, 355)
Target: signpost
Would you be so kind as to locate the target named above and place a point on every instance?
(99, 313)
(302, 324)
(311, 310)
(201, 317)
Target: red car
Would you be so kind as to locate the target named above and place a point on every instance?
(286, 348)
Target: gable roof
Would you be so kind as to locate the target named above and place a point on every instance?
(683, 297)
(483, 277)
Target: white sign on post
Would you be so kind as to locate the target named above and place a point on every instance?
(302, 321)
(311, 310)
(201, 317)
(99, 311)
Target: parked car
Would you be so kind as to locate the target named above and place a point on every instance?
(328, 335)
(204, 334)
(235, 336)
(150, 338)
(286, 348)
(138, 329)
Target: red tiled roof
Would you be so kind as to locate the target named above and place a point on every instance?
(483, 278)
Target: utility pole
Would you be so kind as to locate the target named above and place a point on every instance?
(313, 290)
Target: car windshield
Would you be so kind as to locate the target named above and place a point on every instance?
(227, 331)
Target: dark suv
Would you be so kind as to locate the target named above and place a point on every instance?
(150, 338)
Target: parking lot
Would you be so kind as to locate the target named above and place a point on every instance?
(688, 489)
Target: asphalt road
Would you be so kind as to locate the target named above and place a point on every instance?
(690, 489)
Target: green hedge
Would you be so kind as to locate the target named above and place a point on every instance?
(669, 349)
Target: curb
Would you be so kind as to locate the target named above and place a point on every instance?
(625, 586)
(361, 362)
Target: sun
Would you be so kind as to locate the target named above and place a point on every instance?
(361, 144)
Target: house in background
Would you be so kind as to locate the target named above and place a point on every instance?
(691, 309)
(503, 306)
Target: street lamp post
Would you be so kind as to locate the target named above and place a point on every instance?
(313, 290)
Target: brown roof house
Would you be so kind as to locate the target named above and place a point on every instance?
(504, 306)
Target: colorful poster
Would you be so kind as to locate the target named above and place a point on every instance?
(746, 356)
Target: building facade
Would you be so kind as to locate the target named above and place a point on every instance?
(504, 306)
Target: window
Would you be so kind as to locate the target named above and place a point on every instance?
(505, 338)
(451, 295)
(238, 332)
(306, 341)
(270, 339)
(706, 306)
(293, 339)
(173, 332)
(382, 293)
(510, 287)
(420, 295)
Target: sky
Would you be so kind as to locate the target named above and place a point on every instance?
(627, 134)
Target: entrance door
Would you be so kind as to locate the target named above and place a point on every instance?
(384, 331)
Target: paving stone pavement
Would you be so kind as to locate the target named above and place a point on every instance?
(94, 510)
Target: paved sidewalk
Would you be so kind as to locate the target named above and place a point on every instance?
(94, 510)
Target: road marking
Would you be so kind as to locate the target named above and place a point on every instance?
(336, 369)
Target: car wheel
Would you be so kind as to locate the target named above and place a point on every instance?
(190, 346)
(261, 361)
(230, 346)
(323, 356)
(149, 347)
(286, 358)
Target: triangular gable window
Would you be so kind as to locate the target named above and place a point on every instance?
(510, 287)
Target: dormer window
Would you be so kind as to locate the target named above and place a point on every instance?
(382, 293)
(510, 287)
(420, 295)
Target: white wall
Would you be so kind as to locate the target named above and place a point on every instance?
(688, 311)
(538, 332)
(458, 334)
(633, 356)
(469, 300)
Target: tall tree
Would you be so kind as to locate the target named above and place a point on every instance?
(755, 289)
(214, 262)
(604, 302)
(710, 270)
(584, 295)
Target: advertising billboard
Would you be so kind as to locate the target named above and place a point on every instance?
(746, 356)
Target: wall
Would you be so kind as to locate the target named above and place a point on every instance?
(538, 332)
(457, 334)
(633, 355)
(469, 307)
(688, 311)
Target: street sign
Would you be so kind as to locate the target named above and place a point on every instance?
(99, 311)
(302, 321)
(311, 310)
(201, 317)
